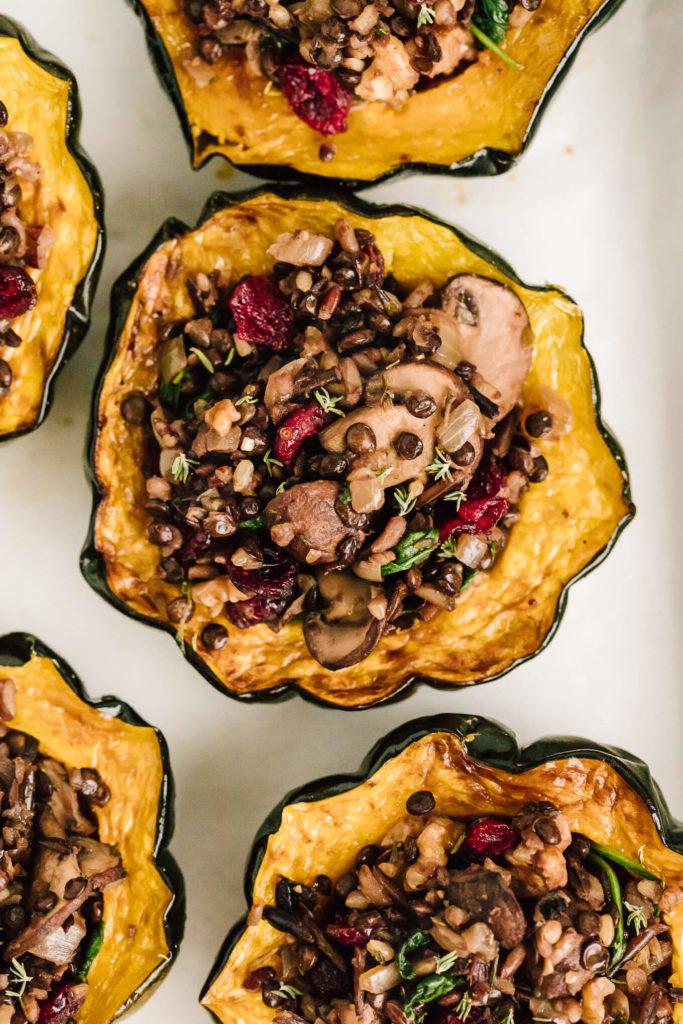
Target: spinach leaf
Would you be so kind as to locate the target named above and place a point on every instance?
(493, 18)
(169, 391)
(93, 947)
(255, 523)
(427, 990)
(414, 941)
(414, 549)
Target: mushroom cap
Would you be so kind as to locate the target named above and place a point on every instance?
(387, 421)
(491, 330)
(316, 528)
(344, 633)
(337, 645)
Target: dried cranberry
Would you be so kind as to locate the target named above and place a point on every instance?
(488, 479)
(487, 837)
(60, 1006)
(315, 96)
(262, 316)
(275, 580)
(257, 609)
(302, 424)
(345, 935)
(17, 292)
(374, 271)
(476, 515)
(475, 1015)
(197, 545)
(257, 978)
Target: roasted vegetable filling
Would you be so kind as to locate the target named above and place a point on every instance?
(325, 55)
(323, 443)
(22, 245)
(494, 921)
(53, 871)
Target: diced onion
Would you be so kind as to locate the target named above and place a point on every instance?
(471, 550)
(172, 358)
(366, 495)
(458, 426)
(301, 248)
(380, 979)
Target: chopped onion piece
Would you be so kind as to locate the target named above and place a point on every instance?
(366, 495)
(458, 426)
(380, 979)
(471, 550)
(301, 248)
(172, 358)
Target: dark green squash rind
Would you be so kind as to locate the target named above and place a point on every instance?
(490, 744)
(79, 312)
(485, 162)
(17, 649)
(92, 563)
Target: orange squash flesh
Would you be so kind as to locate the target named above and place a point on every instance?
(324, 836)
(568, 521)
(136, 951)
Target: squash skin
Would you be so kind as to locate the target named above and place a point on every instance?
(257, 664)
(46, 346)
(292, 153)
(52, 705)
(473, 766)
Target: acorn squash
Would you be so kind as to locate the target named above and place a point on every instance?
(495, 106)
(472, 766)
(41, 97)
(568, 524)
(143, 914)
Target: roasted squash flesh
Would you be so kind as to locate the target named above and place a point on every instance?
(309, 836)
(567, 521)
(41, 100)
(492, 104)
(138, 946)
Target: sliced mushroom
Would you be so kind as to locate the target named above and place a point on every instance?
(280, 388)
(492, 331)
(345, 632)
(338, 645)
(388, 420)
(486, 897)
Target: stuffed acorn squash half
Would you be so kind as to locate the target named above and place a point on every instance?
(342, 446)
(356, 90)
(51, 228)
(91, 903)
(458, 879)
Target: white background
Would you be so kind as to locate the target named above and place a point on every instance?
(595, 205)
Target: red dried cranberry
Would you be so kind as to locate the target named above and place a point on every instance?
(488, 479)
(475, 1014)
(476, 515)
(17, 292)
(302, 424)
(262, 316)
(275, 580)
(61, 1005)
(197, 545)
(257, 978)
(487, 837)
(315, 96)
(374, 272)
(345, 935)
(257, 609)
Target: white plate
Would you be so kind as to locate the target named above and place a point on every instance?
(595, 205)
